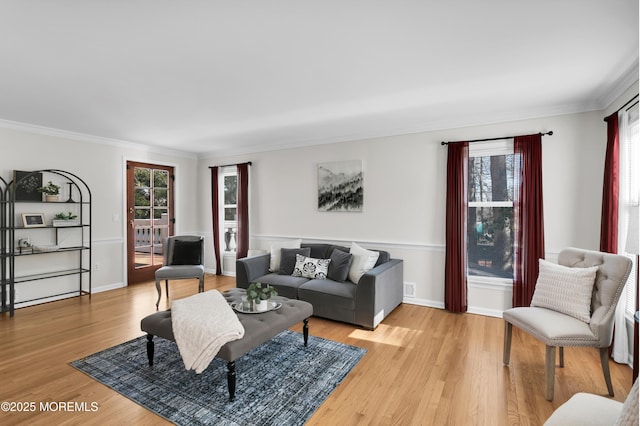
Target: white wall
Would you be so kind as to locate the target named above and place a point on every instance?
(405, 188)
(102, 167)
(404, 198)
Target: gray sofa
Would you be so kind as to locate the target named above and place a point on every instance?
(378, 292)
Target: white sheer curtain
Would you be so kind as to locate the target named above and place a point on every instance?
(629, 197)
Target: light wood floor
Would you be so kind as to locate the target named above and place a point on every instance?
(424, 366)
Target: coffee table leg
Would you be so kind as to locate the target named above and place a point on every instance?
(150, 349)
(231, 379)
(305, 331)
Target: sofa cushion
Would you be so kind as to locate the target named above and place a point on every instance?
(565, 290)
(363, 261)
(328, 293)
(318, 251)
(309, 267)
(274, 261)
(384, 257)
(288, 258)
(285, 285)
(340, 265)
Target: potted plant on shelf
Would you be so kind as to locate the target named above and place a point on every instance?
(65, 219)
(51, 191)
(259, 294)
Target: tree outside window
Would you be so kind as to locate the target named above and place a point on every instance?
(490, 230)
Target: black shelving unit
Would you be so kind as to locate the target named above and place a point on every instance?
(79, 202)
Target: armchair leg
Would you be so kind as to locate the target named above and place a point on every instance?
(604, 360)
(550, 364)
(159, 293)
(508, 329)
(166, 287)
(201, 285)
(561, 356)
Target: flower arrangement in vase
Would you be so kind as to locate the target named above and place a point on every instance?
(51, 191)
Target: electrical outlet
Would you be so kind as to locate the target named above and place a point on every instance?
(410, 289)
(97, 266)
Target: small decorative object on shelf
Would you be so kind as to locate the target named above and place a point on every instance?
(43, 248)
(66, 219)
(24, 246)
(259, 294)
(70, 199)
(33, 220)
(51, 191)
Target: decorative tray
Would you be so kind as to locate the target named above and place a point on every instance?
(238, 306)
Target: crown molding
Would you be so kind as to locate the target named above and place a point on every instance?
(620, 86)
(83, 137)
(424, 127)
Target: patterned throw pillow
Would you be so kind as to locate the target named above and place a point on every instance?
(564, 289)
(308, 267)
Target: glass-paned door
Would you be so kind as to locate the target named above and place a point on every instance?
(150, 217)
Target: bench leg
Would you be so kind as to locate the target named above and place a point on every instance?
(305, 331)
(150, 349)
(231, 379)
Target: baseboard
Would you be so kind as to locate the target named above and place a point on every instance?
(423, 302)
(484, 311)
(102, 288)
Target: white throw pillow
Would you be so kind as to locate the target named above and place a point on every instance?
(274, 262)
(363, 261)
(566, 290)
(310, 267)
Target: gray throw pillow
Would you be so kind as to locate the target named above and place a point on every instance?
(288, 259)
(340, 265)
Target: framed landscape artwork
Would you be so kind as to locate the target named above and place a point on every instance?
(340, 186)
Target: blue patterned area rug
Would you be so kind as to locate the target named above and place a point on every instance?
(278, 383)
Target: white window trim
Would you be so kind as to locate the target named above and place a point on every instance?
(487, 149)
(225, 224)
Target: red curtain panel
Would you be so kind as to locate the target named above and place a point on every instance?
(216, 218)
(242, 236)
(529, 218)
(610, 188)
(455, 275)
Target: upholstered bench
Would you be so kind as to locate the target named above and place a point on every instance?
(258, 328)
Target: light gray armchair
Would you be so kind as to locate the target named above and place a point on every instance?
(183, 259)
(558, 329)
(584, 409)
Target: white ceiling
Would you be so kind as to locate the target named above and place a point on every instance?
(220, 77)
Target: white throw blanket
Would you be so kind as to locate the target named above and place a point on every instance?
(202, 324)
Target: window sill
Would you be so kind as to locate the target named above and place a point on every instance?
(492, 283)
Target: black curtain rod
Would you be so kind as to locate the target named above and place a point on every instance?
(229, 165)
(494, 139)
(622, 107)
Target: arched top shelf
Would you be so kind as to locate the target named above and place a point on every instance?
(24, 186)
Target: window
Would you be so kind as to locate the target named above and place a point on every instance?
(230, 206)
(490, 210)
